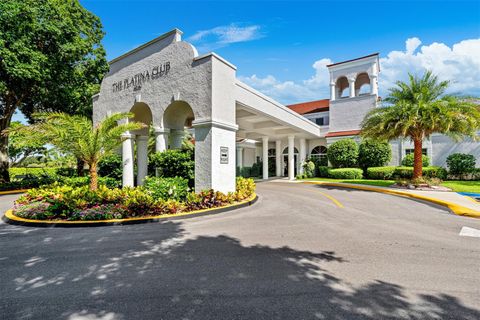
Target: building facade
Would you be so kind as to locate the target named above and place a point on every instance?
(169, 87)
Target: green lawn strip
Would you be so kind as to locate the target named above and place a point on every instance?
(463, 186)
(457, 186)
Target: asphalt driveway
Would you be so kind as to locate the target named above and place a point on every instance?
(300, 252)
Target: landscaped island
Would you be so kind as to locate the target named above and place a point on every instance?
(159, 196)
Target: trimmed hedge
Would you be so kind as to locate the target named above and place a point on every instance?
(322, 171)
(346, 173)
(380, 173)
(343, 153)
(373, 153)
(429, 172)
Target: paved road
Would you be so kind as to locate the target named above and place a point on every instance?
(295, 254)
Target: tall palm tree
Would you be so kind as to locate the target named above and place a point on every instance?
(417, 109)
(78, 136)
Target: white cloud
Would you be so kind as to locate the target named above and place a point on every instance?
(224, 35)
(459, 64)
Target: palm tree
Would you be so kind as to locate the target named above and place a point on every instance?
(417, 109)
(78, 136)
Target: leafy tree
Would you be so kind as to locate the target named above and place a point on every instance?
(173, 163)
(51, 59)
(76, 135)
(374, 153)
(418, 110)
(343, 153)
(20, 147)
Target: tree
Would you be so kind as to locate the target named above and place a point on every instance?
(373, 153)
(51, 59)
(76, 135)
(20, 147)
(417, 110)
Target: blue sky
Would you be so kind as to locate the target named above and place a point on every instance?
(281, 48)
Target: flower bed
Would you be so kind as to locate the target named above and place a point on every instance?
(82, 204)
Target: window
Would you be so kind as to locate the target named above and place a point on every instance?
(320, 153)
(408, 151)
(322, 121)
(271, 153)
(285, 151)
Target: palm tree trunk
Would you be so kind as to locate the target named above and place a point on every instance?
(417, 158)
(93, 176)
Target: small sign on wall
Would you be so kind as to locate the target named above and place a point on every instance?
(224, 155)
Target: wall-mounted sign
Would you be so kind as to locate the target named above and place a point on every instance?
(224, 155)
(137, 80)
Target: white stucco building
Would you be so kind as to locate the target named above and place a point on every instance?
(168, 86)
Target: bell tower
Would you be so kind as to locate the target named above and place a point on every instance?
(353, 91)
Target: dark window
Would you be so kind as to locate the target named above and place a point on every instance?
(408, 151)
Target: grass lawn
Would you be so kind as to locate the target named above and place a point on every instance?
(463, 186)
(457, 186)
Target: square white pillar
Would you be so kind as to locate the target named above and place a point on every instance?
(214, 156)
(127, 159)
(278, 157)
(142, 159)
(291, 161)
(161, 139)
(332, 91)
(265, 158)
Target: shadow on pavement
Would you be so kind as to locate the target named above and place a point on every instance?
(155, 271)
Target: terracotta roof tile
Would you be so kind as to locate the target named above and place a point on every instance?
(310, 106)
(342, 133)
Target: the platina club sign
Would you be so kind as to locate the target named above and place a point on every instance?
(137, 80)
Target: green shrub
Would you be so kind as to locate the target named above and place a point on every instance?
(407, 161)
(27, 182)
(373, 153)
(111, 166)
(343, 153)
(461, 163)
(167, 188)
(30, 171)
(109, 182)
(322, 171)
(66, 172)
(63, 202)
(380, 173)
(257, 168)
(346, 173)
(429, 172)
(308, 169)
(173, 163)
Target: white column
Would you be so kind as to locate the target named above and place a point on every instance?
(240, 157)
(332, 91)
(265, 157)
(161, 139)
(373, 84)
(303, 153)
(291, 163)
(177, 138)
(142, 159)
(127, 159)
(351, 82)
(278, 157)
